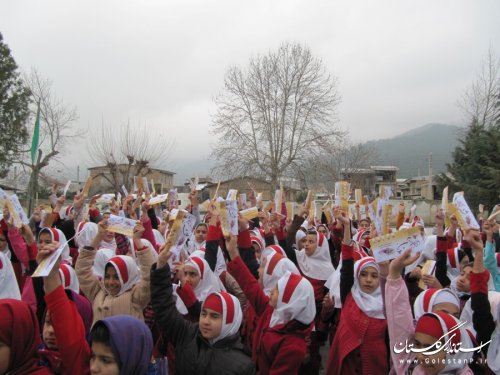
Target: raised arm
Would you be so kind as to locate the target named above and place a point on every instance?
(176, 329)
(213, 235)
(490, 261)
(141, 293)
(244, 278)
(347, 270)
(441, 250)
(398, 310)
(89, 282)
(68, 325)
(481, 311)
(246, 249)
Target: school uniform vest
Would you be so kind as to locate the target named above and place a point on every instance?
(358, 335)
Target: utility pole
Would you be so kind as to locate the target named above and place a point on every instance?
(431, 192)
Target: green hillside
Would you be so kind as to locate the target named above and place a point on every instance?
(410, 151)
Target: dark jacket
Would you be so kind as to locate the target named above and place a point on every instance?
(193, 353)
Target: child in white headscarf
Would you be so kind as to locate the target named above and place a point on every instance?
(124, 290)
(359, 343)
(285, 317)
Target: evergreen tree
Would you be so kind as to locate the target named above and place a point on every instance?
(475, 167)
(14, 109)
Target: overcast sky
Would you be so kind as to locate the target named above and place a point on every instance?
(399, 64)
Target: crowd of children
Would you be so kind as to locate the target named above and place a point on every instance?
(263, 301)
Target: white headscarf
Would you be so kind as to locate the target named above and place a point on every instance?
(69, 279)
(333, 282)
(145, 243)
(271, 250)
(359, 234)
(493, 357)
(298, 236)
(276, 266)
(108, 245)
(426, 300)
(458, 336)
(8, 283)
(102, 256)
(295, 300)
(466, 315)
(220, 265)
(257, 236)
(333, 285)
(319, 264)
(209, 282)
(452, 263)
(371, 304)
(127, 271)
(232, 315)
(58, 236)
(6, 250)
(159, 239)
(85, 233)
(179, 304)
(192, 245)
(65, 212)
(460, 293)
(327, 234)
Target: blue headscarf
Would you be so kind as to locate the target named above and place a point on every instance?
(131, 343)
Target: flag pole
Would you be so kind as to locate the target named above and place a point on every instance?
(35, 143)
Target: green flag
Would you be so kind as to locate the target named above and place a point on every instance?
(36, 136)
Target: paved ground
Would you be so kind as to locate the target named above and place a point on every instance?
(324, 350)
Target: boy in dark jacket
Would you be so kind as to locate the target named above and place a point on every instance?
(212, 347)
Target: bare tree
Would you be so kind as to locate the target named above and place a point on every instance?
(480, 100)
(280, 110)
(57, 121)
(132, 151)
(320, 172)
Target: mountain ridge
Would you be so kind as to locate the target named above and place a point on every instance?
(410, 151)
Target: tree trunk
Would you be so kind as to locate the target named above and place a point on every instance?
(32, 189)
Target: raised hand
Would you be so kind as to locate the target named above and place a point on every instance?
(45, 250)
(431, 282)
(231, 246)
(242, 223)
(102, 228)
(78, 200)
(27, 234)
(488, 230)
(402, 261)
(138, 231)
(164, 255)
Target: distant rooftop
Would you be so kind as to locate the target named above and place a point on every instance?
(384, 168)
(126, 165)
(370, 170)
